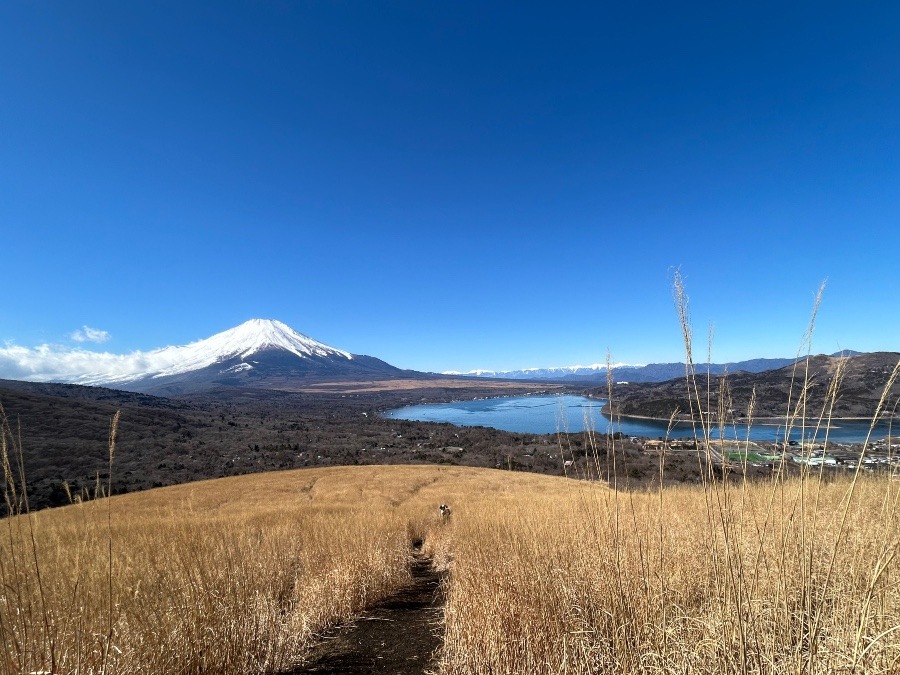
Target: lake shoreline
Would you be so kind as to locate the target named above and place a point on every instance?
(760, 421)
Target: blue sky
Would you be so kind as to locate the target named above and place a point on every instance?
(451, 185)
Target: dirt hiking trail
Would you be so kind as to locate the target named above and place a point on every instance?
(398, 635)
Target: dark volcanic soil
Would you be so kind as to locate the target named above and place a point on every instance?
(64, 432)
(398, 635)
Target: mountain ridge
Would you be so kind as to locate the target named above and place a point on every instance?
(651, 372)
(862, 381)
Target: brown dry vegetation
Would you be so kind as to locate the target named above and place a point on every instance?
(233, 577)
(547, 574)
(237, 575)
(786, 577)
(420, 386)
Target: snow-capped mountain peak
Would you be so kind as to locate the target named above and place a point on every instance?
(257, 335)
(251, 337)
(261, 353)
(236, 344)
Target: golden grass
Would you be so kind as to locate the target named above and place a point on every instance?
(547, 575)
(237, 575)
(591, 581)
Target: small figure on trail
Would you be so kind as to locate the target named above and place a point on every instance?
(445, 512)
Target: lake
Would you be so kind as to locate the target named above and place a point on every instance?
(550, 414)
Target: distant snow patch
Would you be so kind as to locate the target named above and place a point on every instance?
(538, 373)
(239, 368)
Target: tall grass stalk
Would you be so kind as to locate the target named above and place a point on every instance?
(797, 574)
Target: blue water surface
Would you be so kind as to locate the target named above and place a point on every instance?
(552, 414)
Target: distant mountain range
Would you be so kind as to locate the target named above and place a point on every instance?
(862, 382)
(268, 354)
(653, 372)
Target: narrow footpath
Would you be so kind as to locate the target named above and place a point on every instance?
(398, 635)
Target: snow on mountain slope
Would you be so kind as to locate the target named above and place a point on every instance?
(241, 342)
(250, 338)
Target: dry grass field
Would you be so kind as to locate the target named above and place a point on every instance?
(547, 575)
(237, 575)
(792, 577)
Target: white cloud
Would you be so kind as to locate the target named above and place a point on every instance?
(88, 334)
(61, 363)
(57, 363)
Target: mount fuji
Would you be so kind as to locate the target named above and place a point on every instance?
(260, 353)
